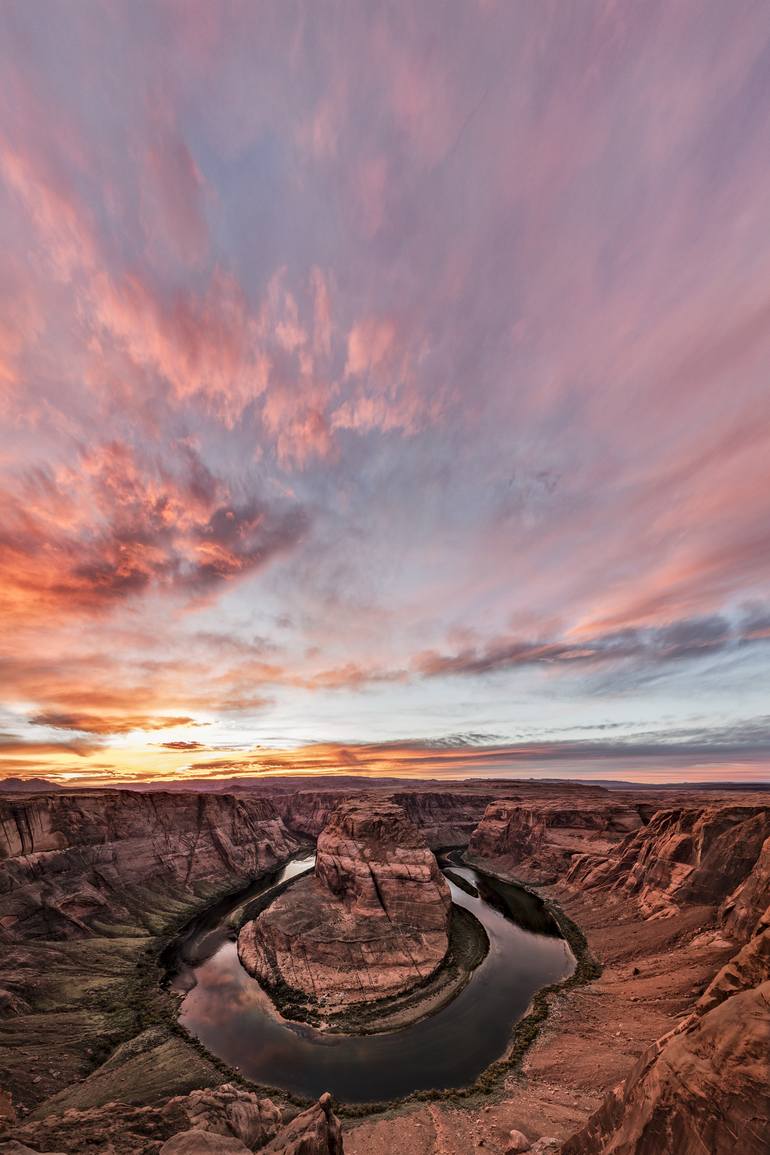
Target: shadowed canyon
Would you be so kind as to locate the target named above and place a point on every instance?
(334, 908)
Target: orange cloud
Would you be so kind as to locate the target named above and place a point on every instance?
(123, 523)
(109, 724)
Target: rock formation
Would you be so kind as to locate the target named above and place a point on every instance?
(226, 1120)
(745, 909)
(684, 855)
(87, 879)
(538, 842)
(445, 818)
(705, 1085)
(72, 863)
(667, 1052)
(371, 922)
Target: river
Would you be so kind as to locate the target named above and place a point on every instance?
(232, 1016)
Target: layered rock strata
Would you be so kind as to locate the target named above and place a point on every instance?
(72, 864)
(706, 1084)
(445, 818)
(538, 842)
(87, 880)
(685, 856)
(370, 923)
(702, 1085)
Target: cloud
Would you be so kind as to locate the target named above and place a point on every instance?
(10, 745)
(425, 338)
(174, 191)
(677, 641)
(125, 522)
(671, 754)
(182, 745)
(106, 724)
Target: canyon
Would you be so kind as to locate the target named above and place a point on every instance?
(667, 1049)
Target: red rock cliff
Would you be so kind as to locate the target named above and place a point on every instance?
(371, 922)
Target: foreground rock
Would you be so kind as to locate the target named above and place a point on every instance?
(223, 1121)
(704, 1087)
(371, 923)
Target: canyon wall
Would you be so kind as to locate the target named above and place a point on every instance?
(683, 856)
(704, 1085)
(70, 864)
(537, 841)
(226, 1120)
(672, 895)
(89, 882)
(446, 818)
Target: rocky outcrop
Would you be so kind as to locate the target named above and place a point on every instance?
(539, 842)
(256, 1125)
(508, 830)
(87, 880)
(228, 1111)
(226, 1120)
(744, 912)
(371, 922)
(683, 856)
(203, 1143)
(703, 1087)
(315, 1132)
(72, 863)
(748, 968)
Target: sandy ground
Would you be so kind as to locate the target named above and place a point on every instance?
(653, 970)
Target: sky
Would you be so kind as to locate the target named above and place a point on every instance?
(384, 387)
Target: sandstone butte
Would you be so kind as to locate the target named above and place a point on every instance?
(371, 922)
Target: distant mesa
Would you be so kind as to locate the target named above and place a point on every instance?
(27, 786)
(370, 923)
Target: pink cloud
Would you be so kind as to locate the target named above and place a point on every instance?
(175, 191)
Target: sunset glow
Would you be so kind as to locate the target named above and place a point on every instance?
(398, 410)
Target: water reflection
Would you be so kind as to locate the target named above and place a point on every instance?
(233, 1017)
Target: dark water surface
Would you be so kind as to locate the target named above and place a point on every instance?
(232, 1016)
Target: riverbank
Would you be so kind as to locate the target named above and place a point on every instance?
(633, 980)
